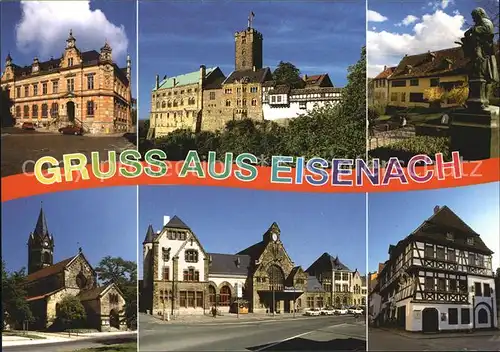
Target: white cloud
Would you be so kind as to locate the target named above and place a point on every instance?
(441, 4)
(387, 48)
(44, 28)
(407, 21)
(374, 28)
(374, 16)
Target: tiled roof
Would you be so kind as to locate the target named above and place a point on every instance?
(183, 80)
(322, 80)
(254, 251)
(316, 90)
(229, 264)
(436, 63)
(41, 228)
(313, 285)
(280, 89)
(50, 270)
(327, 262)
(177, 223)
(91, 294)
(386, 73)
(36, 298)
(251, 76)
(150, 235)
(89, 58)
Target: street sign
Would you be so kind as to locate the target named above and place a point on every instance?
(239, 290)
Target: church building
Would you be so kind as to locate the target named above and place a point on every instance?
(84, 88)
(180, 277)
(48, 283)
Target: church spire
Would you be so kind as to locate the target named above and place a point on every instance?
(149, 235)
(41, 228)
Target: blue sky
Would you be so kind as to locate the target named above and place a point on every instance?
(43, 30)
(396, 28)
(178, 37)
(102, 221)
(227, 220)
(393, 216)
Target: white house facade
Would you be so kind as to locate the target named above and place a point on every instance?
(439, 278)
(281, 102)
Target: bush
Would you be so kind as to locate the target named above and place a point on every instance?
(404, 150)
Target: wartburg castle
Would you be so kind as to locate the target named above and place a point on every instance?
(84, 88)
(206, 99)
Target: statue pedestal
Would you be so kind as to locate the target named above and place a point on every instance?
(474, 132)
(477, 94)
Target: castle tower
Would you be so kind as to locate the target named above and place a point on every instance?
(248, 48)
(70, 42)
(40, 246)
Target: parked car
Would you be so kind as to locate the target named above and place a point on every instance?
(28, 126)
(341, 311)
(71, 129)
(327, 311)
(313, 312)
(355, 310)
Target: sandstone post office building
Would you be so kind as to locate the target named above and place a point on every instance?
(180, 277)
(86, 88)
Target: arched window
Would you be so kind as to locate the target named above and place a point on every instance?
(34, 111)
(482, 316)
(225, 296)
(337, 301)
(157, 104)
(46, 258)
(175, 103)
(54, 110)
(90, 108)
(169, 104)
(276, 277)
(344, 301)
(363, 301)
(26, 111)
(211, 295)
(45, 112)
(191, 256)
(163, 104)
(18, 111)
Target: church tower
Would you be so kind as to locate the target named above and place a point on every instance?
(248, 48)
(40, 246)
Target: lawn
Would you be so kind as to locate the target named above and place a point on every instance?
(22, 334)
(125, 347)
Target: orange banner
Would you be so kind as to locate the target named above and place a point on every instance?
(389, 179)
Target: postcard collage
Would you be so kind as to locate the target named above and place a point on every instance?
(250, 175)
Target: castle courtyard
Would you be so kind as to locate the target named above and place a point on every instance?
(21, 149)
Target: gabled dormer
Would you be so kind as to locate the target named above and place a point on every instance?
(431, 56)
(71, 56)
(106, 52)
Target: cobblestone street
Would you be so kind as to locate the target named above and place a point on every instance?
(383, 340)
(21, 149)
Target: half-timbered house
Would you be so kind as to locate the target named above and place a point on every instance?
(439, 278)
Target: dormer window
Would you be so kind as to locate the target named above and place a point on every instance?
(470, 241)
(70, 62)
(191, 256)
(449, 236)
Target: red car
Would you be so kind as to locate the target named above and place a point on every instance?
(28, 126)
(76, 130)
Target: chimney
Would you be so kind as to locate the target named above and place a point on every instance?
(157, 83)
(166, 220)
(158, 232)
(253, 68)
(436, 209)
(203, 71)
(238, 262)
(385, 67)
(210, 259)
(175, 82)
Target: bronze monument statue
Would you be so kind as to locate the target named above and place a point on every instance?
(478, 45)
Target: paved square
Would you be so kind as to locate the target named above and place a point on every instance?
(20, 150)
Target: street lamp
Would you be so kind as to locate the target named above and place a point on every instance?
(274, 250)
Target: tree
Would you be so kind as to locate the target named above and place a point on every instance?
(70, 313)
(498, 273)
(434, 95)
(124, 274)
(133, 115)
(458, 94)
(287, 73)
(5, 105)
(15, 309)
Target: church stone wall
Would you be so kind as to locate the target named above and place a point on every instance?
(106, 306)
(54, 299)
(71, 273)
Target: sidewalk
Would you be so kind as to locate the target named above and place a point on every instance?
(439, 335)
(233, 318)
(55, 337)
